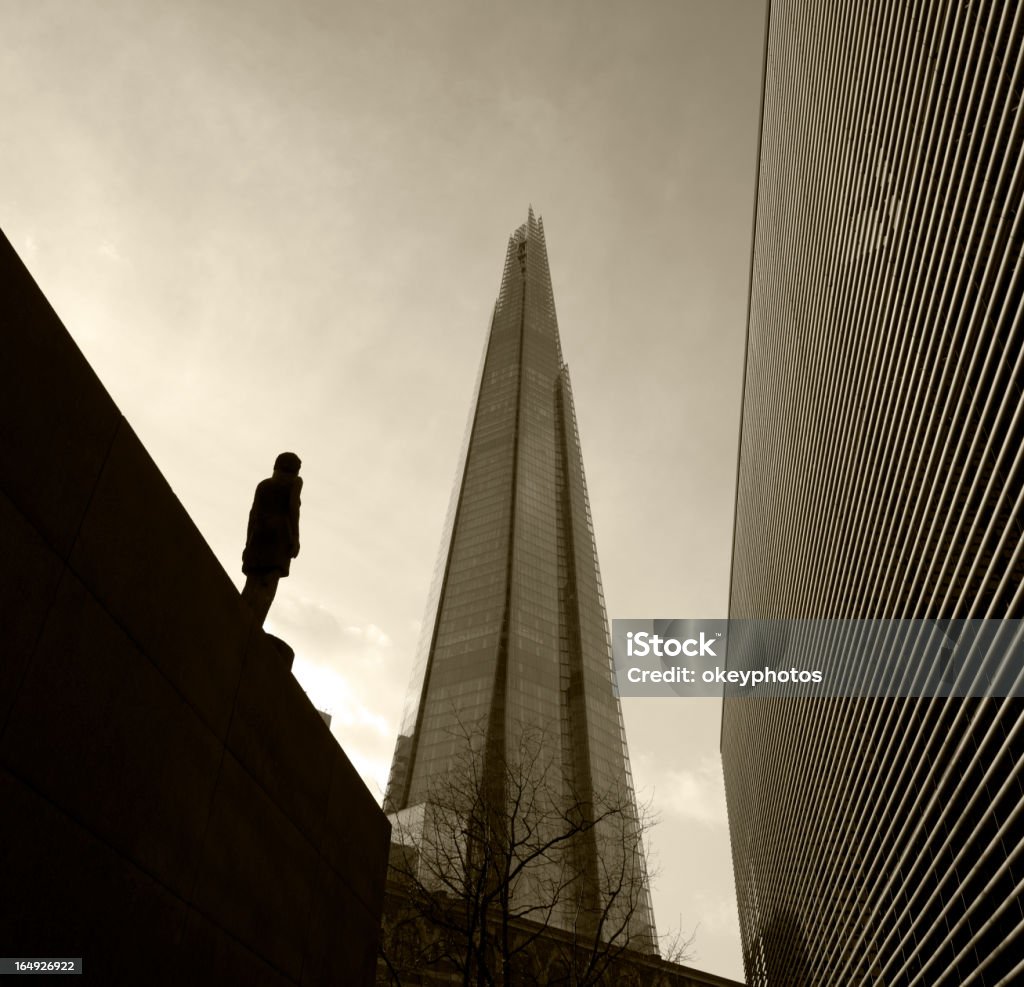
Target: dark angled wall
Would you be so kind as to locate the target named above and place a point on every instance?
(172, 807)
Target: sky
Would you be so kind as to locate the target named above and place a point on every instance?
(281, 226)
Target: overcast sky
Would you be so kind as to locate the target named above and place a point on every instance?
(279, 226)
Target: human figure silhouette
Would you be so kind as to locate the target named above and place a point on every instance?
(272, 540)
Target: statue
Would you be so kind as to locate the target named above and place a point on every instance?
(272, 540)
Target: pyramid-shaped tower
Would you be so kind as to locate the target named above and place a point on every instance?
(515, 641)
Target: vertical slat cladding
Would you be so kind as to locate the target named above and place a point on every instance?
(882, 474)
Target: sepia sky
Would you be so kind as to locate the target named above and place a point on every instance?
(279, 226)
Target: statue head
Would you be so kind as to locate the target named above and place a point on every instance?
(287, 462)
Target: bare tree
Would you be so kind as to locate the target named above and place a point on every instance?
(506, 875)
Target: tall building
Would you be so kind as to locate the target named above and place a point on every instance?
(880, 475)
(515, 640)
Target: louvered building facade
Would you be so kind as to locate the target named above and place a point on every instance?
(881, 841)
(515, 639)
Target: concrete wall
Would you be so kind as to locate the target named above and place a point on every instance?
(172, 807)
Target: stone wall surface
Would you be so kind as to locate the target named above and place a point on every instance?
(172, 807)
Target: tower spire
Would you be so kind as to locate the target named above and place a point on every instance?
(515, 642)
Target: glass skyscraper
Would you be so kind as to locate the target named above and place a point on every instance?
(515, 639)
(881, 841)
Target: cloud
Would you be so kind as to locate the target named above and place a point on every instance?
(359, 720)
(693, 794)
(371, 634)
(109, 249)
(346, 669)
(373, 770)
(718, 916)
(309, 626)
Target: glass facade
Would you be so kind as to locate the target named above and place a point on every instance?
(515, 641)
(881, 475)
